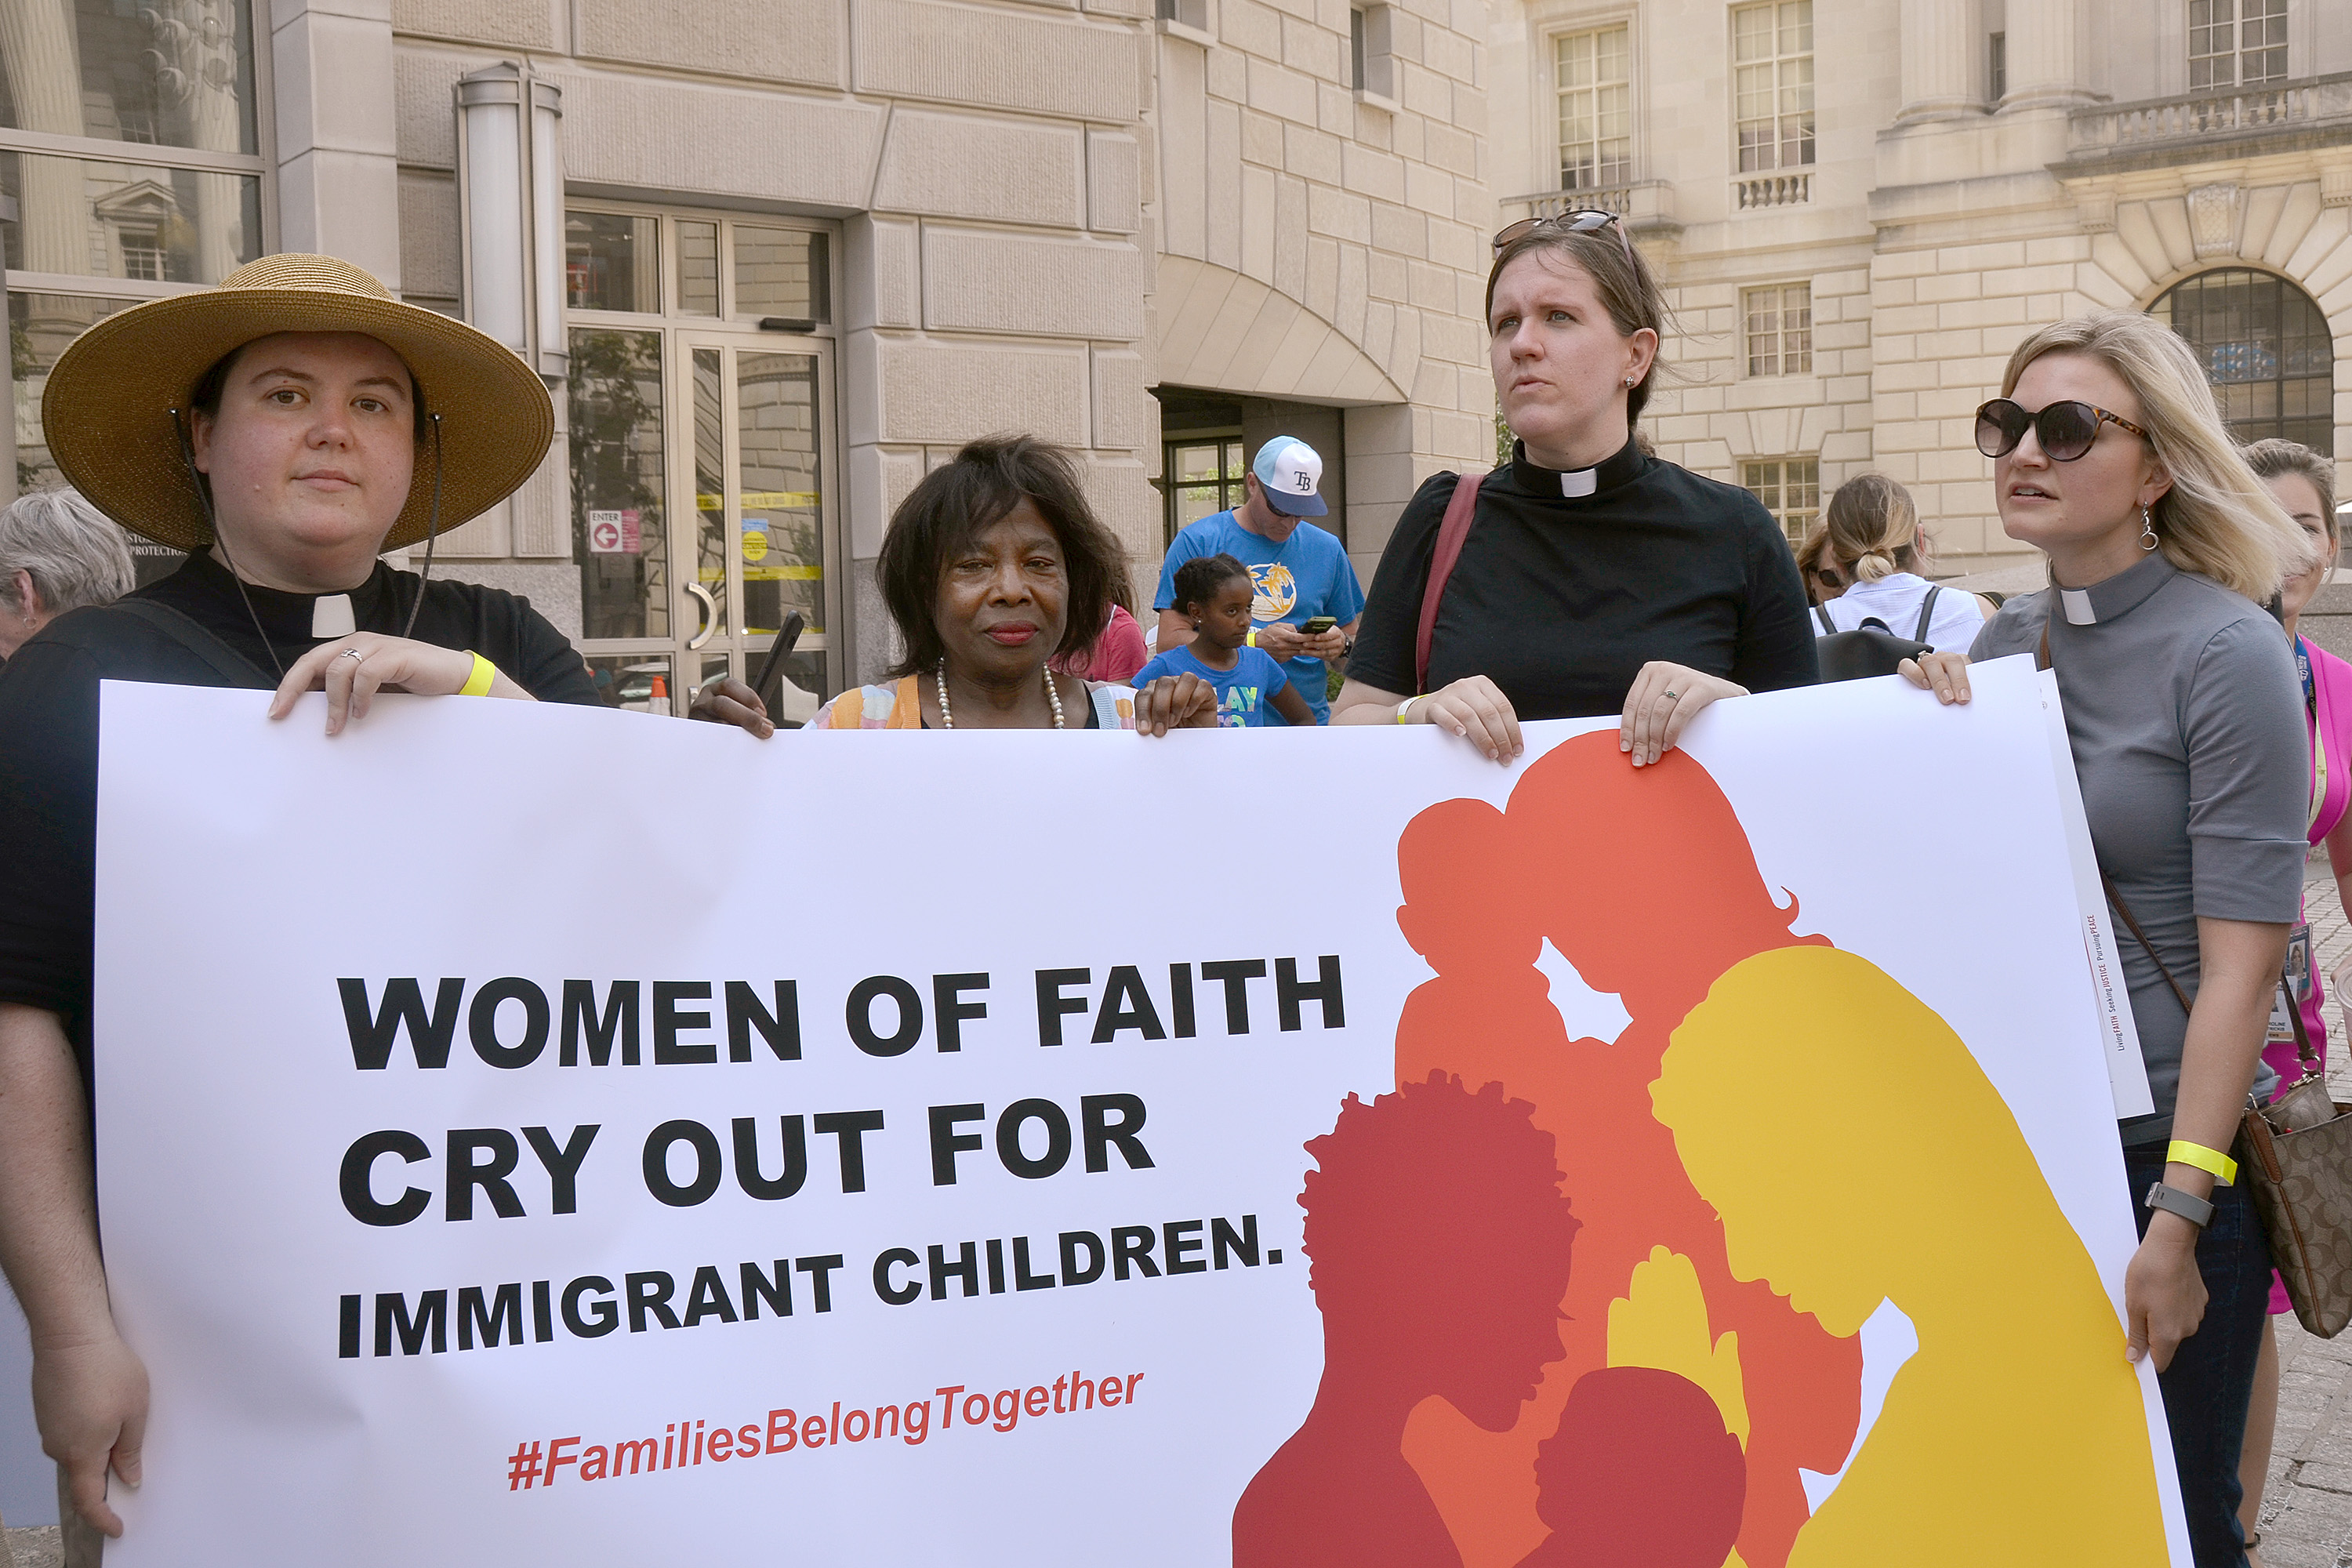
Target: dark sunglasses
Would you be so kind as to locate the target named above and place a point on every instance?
(2066, 429)
(1582, 220)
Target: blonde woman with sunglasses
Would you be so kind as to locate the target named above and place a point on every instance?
(1594, 579)
(2185, 716)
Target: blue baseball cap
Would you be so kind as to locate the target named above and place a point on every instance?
(1290, 472)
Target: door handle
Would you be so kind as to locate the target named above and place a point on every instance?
(710, 615)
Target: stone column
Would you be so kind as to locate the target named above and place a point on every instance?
(2045, 63)
(337, 153)
(1940, 44)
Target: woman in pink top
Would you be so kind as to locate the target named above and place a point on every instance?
(2305, 484)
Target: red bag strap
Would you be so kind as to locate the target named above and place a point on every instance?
(1450, 535)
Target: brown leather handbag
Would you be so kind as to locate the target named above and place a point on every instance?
(2295, 1156)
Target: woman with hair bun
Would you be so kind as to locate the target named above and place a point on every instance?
(1872, 542)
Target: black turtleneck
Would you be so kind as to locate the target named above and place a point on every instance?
(1560, 599)
(48, 734)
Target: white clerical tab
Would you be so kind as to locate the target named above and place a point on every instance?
(330, 617)
(1582, 482)
(2078, 608)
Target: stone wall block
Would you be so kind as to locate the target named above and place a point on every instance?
(1290, 235)
(1335, 109)
(978, 280)
(956, 165)
(1307, 45)
(660, 135)
(1380, 332)
(1120, 490)
(1337, 213)
(2299, 212)
(993, 58)
(1257, 221)
(523, 23)
(2326, 234)
(1183, 138)
(779, 40)
(424, 81)
(1122, 408)
(2263, 206)
(1283, 92)
(1451, 150)
(1227, 186)
(1347, 310)
(1400, 231)
(430, 261)
(879, 479)
(884, 271)
(1114, 183)
(1251, 27)
(1311, 154)
(1262, 139)
(1229, 75)
(1450, 54)
(1469, 110)
(929, 390)
(2169, 219)
(1371, 172)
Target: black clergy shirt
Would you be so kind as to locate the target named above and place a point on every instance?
(1561, 600)
(48, 736)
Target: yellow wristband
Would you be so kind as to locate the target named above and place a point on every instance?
(1405, 708)
(478, 683)
(1251, 639)
(2224, 1169)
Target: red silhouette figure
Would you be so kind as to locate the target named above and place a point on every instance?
(1440, 1241)
(1645, 880)
(1641, 1471)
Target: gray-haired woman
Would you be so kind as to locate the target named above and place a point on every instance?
(57, 553)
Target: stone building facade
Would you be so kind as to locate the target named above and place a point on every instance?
(775, 256)
(1862, 206)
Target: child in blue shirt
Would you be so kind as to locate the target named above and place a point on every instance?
(1214, 591)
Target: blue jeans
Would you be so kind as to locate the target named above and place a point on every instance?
(2211, 1378)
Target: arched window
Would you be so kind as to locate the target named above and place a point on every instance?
(2264, 346)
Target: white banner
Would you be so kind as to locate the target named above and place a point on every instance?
(531, 1135)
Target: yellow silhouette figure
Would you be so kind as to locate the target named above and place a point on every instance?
(1857, 1153)
(1660, 1321)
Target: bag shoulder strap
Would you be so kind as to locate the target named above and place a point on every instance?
(1450, 535)
(1822, 614)
(1926, 614)
(198, 639)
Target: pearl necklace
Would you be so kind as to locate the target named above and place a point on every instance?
(947, 713)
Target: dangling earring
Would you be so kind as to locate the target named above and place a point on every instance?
(2147, 530)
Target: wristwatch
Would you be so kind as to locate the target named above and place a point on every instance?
(2195, 1210)
(1347, 646)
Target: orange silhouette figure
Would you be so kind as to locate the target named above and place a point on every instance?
(1645, 880)
(1641, 1471)
(1440, 1241)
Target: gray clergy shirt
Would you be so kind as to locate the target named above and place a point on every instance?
(2186, 718)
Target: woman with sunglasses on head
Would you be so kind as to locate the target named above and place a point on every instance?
(1594, 579)
(2185, 719)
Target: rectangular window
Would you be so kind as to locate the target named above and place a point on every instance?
(1592, 79)
(1780, 329)
(1791, 489)
(1356, 47)
(2236, 43)
(1997, 66)
(1773, 57)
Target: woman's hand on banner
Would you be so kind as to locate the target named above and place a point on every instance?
(1176, 702)
(1474, 709)
(351, 670)
(2164, 1294)
(90, 1400)
(1664, 699)
(728, 700)
(1945, 674)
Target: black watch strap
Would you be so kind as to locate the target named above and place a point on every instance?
(2195, 1210)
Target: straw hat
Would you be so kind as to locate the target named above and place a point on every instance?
(107, 411)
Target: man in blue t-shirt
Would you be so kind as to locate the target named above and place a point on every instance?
(1300, 571)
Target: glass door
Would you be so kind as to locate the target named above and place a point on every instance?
(759, 513)
(701, 427)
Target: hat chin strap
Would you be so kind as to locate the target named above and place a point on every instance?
(205, 500)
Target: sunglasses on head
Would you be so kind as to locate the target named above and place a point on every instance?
(2065, 429)
(1582, 220)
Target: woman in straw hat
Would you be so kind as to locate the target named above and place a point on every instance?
(285, 429)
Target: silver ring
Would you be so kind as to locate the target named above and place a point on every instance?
(350, 653)
(1673, 696)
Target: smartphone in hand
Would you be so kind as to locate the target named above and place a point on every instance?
(1317, 625)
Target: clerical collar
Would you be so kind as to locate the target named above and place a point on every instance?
(1622, 468)
(2118, 594)
(298, 619)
